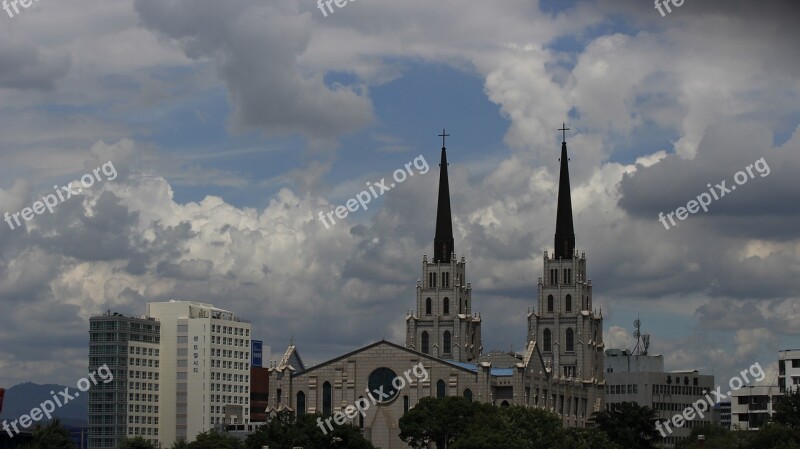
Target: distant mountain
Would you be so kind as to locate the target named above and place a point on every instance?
(21, 399)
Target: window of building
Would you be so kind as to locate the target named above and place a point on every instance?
(446, 343)
(405, 404)
(426, 343)
(570, 340)
(440, 389)
(445, 279)
(446, 306)
(568, 303)
(550, 303)
(428, 306)
(468, 395)
(567, 275)
(326, 399)
(546, 342)
(301, 403)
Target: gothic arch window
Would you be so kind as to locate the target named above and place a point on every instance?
(301, 403)
(466, 305)
(570, 340)
(446, 306)
(549, 303)
(568, 304)
(426, 343)
(405, 404)
(446, 344)
(460, 310)
(428, 306)
(327, 400)
(440, 389)
(361, 417)
(547, 343)
(504, 404)
(468, 395)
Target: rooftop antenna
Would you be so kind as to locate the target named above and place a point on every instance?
(642, 340)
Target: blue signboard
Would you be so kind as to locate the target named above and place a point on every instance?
(256, 353)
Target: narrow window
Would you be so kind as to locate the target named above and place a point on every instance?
(550, 303)
(405, 404)
(326, 399)
(446, 345)
(446, 306)
(568, 303)
(301, 403)
(570, 340)
(427, 306)
(425, 343)
(440, 389)
(546, 343)
(468, 395)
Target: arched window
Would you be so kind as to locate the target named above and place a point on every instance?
(466, 306)
(405, 404)
(550, 303)
(460, 310)
(568, 304)
(301, 403)
(570, 340)
(426, 348)
(468, 395)
(326, 399)
(440, 389)
(446, 306)
(446, 340)
(504, 404)
(428, 306)
(547, 342)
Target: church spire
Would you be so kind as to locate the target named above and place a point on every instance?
(443, 245)
(565, 233)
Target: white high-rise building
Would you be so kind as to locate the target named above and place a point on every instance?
(204, 368)
(788, 369)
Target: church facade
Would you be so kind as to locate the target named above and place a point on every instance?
(561, 369)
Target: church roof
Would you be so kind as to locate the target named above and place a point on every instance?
(497, 372)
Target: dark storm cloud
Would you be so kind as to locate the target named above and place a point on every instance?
(25, 66)
(765, 206)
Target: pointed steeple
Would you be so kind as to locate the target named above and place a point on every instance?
(565, 233)
(443, 245)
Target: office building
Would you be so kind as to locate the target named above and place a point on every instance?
(788, 369)
(127, 406)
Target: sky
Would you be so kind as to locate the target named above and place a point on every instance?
(222, 129)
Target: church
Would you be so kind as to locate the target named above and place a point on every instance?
(561, 369)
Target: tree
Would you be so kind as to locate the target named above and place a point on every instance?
(52, 435)
(180, 444)
(630, 426)
(440, 421)
(214, 440)
(577, 438)
(285, 431)
(136, 443)
(787, 409)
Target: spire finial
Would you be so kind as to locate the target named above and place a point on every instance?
(564, 130)
(443, 135)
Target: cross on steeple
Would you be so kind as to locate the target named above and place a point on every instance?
(564, 129)
(443, 135)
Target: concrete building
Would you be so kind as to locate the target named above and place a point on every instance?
(561, 368)
(127, 406)
(752, 406)
(205, 368)
(722, 414)
(641, 378)
(788, 370)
